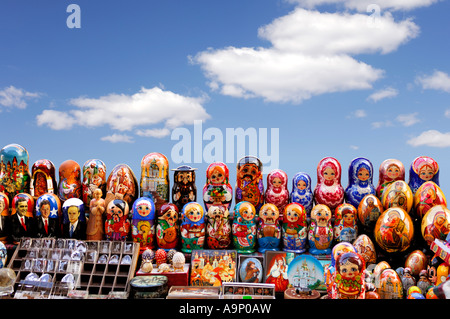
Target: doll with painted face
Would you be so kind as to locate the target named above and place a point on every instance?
(94, 177)
(122, 184)
(192, 227)
(143, 223)
(184, 189)
(269, 229)
(96, 223)
(423, 169)
(329, 190)
(360, 176)
(117, 224)
(48, 213)
(218, 229)
(320, 234)
(277, 192)
(349, 279)
(43, 178)
(22, 217)
(69, 185)
(391, 170)
(217, 190)
(244, 227)
(301, 191)
(167, 229)
(5, 218)
(249, 182)
(74, 219)
(294, 228)
(345, 227)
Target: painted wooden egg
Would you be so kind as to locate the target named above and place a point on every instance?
(123, 183)
(429, 194)
(416, 261)
(394, 230)
(369, 209)
(390, 285)
(398, 194)
(69, 185)
(435, 224)
(365, 247)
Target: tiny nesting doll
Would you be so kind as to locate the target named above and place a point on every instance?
(117, 224)
(249, 182)
(43, 178)
(48, 213)
(269, 228)
(94, 177)
(69, 185)
(436, 224)
(184, 189)
(96, 223)
(74, 219)
(22, 217)
(217, 190)
(360, 175)
(391, 170)
(423, 169)
(218, 228)
(398, 194)
(320, 234)
(14, 170)
(329, 190)
(349, 279)
(192, 227)
(244, 227)
(122, 184)
(5, 218)
(301, 191)
(294, 228)
(277, 192)
(428, 195)
(345, 227)
(167, 230)
(155, 181)
(143, 223)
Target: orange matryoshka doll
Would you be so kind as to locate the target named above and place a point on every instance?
(249, 182)
(391, 170)
(429, 194)
(217, 190)
(69, 185)
(423, 169)
(329, 190)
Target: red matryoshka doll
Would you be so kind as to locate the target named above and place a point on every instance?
(244, 227)
(330, 269)
(423, 169)
(360, 176)
(329, 190)
(167, 230)
(122, 184)
(269, 228)
(155, 181)
(143, 223)
(391, 170)
(301, 191)
(43, 178)
(48, 216)
(117, 224)
(394, 230)
(192, 227)
(22, 217)
(345, 227)
(277, 192)
(320, 234)
(429, 194)
(14, 171)
(69, 185)
(294, 228)
(95, 229)
(398, 194)
(349, 278)
(5, 218)
(94, 176)
(436, 224)
(249, 182)
(217, 190)
(218, 227)
(184, 189)
(74, 219)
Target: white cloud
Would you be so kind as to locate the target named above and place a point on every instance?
(358, 114)
(432, 138)
(383, 94)
(154, 132)
(437, 81)
(14, 97)
(381, 124)
(56, 120)
(363, 5)
(118, 138)
(408, 119)
(354, 147)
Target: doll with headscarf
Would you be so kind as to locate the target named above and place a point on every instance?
(217, 190)
(391, 170)
(301, 191)
(360, 176)
(277, 192)
(192, 227)
(244, 227)
(294, 228)
(143, 223)
(329, 190)
(423, 169)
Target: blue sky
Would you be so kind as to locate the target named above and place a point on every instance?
(334, 78)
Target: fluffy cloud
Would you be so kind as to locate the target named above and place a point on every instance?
(432, 138)
(437, 81)
(118, 138)
(366, 5)
(408, 119)
(383, 94)
(13, 97)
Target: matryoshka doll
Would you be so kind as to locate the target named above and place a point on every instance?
(217, 190)
(155, 181)
(429, 194)
(22, 217)
(277, 192)
(74, 219)
(143, 223)
(369, 209)
(436, 224)
(330, 269)
(269, 228)
(294, 228)
(329, 190)
(320, 234)
(117, 224)
(394, 230)
(122, 184)
(69, 185)
(95, 228)
(345, 227)
(5, 218)
(360, 175)
(192, 227)
(167, 229)
(14, 170)
(43, 178)
(398, 194)
(391, 170)
(218, 227)
(244, 227)
(249, 182)
(48, 216)
(423, 169)
(184, 189)
(301, 191)
(94, 177)
(349, 278)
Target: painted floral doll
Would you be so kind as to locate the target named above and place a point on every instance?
(244, 227)
(360, 176)
(301, 191)
(329, 190)
(294, 228)
(217, 190)
(423, 169)
(277, 192)
(391, 170)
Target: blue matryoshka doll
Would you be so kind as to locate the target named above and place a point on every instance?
(423, 169)
(143, 223)
(360, 177)
(302, 192)
(48, 215)
(74, 219)
(193, 227)
(244, 227)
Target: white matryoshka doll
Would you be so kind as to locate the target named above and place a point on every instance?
(329, 190)
(277, 192)
(94, 176)
(423, 169)
(192, 227)
(143, 223)
(269, 229)
(345, 223)
(294, 228)
(360, 176)
(43, 178)
(217, 190)
(301, 191)
(390, 170)
(244, 227)
(320, 234)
